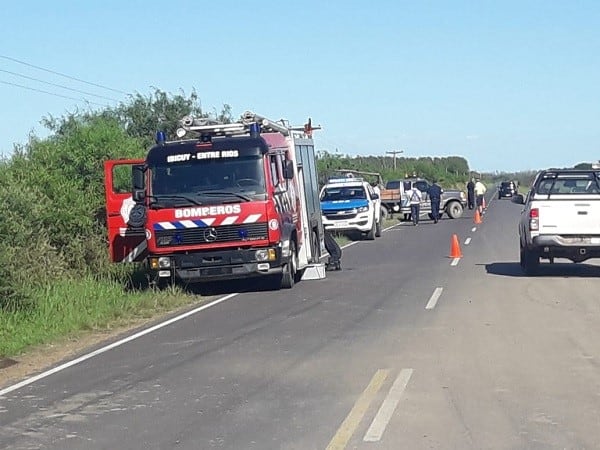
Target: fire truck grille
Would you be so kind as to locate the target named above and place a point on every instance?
(203, 235)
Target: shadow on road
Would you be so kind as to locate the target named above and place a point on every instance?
(261, 284)
(557, 269)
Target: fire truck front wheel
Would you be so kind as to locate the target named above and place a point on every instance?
(288, 277)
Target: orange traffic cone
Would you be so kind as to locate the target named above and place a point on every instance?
(455, 248)
(477, 217)
(483, 204)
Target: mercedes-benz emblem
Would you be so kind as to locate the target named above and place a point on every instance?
(210, 234)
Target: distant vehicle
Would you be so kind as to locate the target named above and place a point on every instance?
(393, 200)
(507, 189)
(351, 204)
(560, 218)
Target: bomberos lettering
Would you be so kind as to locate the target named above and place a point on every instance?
(204, 211)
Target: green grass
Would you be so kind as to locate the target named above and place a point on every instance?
(69, 307)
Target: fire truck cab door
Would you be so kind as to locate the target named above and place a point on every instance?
(126, 244)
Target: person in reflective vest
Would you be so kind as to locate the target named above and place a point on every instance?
(414, 198)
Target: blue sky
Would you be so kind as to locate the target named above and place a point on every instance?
(508, 85)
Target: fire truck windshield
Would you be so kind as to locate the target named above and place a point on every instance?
(209, 181)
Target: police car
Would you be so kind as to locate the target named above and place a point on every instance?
(351, 205)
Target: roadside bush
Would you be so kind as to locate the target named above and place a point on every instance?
(52, 208)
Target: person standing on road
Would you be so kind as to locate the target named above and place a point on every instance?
(435, 196)
(414, 198)
(335, 252)
(471, 193)
(479, 193)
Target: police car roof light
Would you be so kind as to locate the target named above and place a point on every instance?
(345, 180)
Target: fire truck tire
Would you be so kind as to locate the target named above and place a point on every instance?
(288, 278)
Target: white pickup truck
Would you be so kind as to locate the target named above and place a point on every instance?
(561, 217)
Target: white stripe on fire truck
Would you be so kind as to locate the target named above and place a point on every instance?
(252, 218)
(189, 224)
(181, 224)
(229, 220)
(133, 254)
(166, 225)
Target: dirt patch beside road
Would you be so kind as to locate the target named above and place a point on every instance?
(39, 359)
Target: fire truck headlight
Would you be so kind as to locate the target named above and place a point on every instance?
(262, 255)
(164, 262)
(266, 254)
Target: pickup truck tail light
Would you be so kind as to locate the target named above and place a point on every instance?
(534, 219)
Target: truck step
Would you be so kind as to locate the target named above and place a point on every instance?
(314, 272)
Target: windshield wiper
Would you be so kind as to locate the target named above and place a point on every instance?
(222, 193)
(157, 198)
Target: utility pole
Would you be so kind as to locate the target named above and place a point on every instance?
(395, 152)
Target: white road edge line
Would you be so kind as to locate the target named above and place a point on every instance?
(87, 356)
(467, 241)
(455, 262)
(388, 407)
(434, 298)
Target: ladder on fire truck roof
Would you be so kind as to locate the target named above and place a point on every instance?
(212, 127)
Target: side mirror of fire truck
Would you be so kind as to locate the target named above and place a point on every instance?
(288, 170)
(138, 176)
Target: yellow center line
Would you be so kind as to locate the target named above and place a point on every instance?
(349, 425)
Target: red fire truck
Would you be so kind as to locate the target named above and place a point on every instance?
(223, 201)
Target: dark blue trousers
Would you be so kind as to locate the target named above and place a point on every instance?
(435, 209)
(415, 210)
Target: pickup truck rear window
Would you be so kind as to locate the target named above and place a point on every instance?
(569, 185)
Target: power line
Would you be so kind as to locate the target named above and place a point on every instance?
(50, 93)
(62, 74)
(58, 85)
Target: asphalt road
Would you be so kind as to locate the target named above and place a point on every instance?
(403, 348)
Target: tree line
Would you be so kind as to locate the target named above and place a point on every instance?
(52, 205)
(451, 171)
